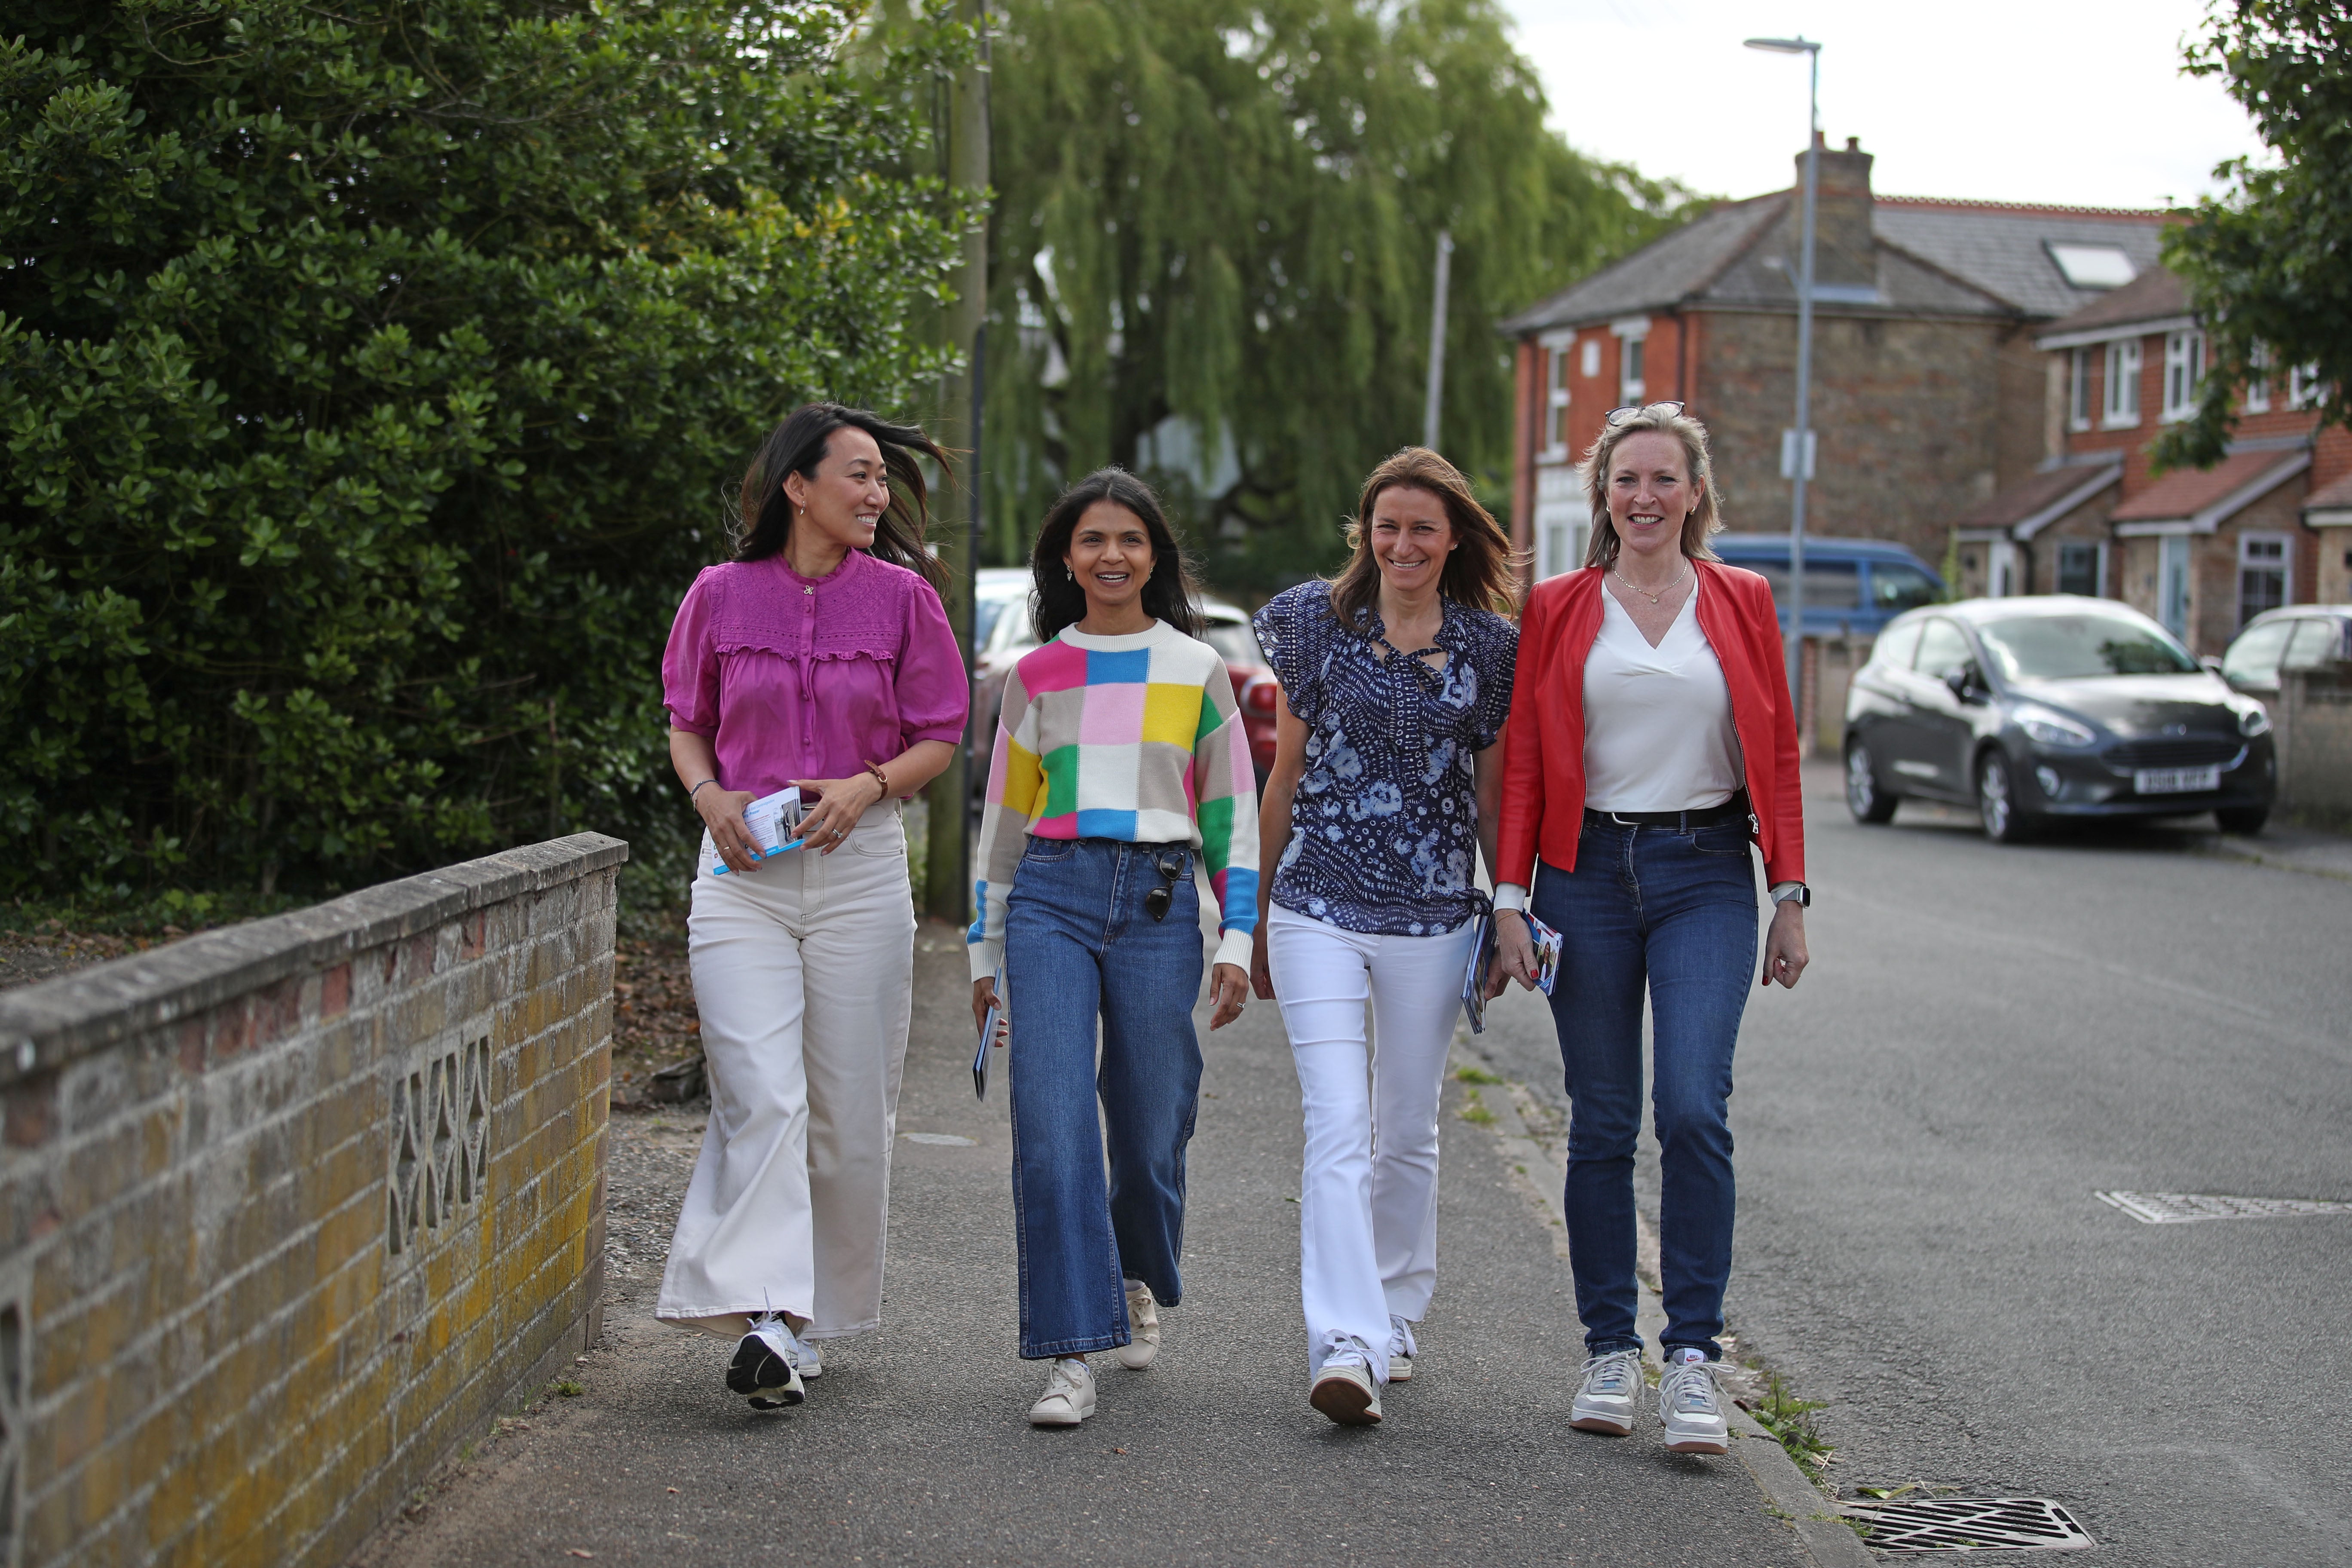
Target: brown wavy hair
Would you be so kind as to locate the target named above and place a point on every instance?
(1481, 572)
(1703, 520)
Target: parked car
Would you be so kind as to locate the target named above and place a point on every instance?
(2047, 707)
(1003, 634)
(1853, 587)
(2296, 638)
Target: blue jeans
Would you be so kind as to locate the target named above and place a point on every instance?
(1671, 911)
(1079, 944)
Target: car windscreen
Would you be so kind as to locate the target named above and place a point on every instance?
(2083, 646)
(1235, 642)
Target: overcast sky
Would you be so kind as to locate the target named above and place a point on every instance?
(2072, 102)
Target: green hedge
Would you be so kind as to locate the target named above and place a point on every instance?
(371, 382)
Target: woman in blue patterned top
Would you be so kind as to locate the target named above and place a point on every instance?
(1395, 679)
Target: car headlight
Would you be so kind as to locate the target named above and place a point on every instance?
(2253, 719)
(2051, 729)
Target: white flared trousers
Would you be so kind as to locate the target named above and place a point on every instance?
(1368, 1196)
(802, 973)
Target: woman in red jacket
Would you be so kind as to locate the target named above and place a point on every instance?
(1654, 742)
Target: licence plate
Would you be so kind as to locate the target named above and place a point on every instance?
(2175, 781)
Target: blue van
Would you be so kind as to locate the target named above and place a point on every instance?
(1853, 587)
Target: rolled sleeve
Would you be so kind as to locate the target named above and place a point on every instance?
(690, 661)
(934, 688)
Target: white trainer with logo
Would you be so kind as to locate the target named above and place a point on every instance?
(1344, 1389)
(1069, 1396)
(767, 1365)
(1690, 1402)
(1607, 1393)
(1402, 1349)
(1142, 1326)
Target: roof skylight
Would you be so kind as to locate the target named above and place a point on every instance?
(2093, 266)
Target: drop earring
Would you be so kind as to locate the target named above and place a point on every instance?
(1068, 572)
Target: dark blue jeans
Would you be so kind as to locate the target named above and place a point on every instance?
(1080, 945)
(1671, 912)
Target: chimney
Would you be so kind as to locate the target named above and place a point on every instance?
(1843, 251)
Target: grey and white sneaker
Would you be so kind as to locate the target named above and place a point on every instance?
(1142, 1326)
(766, 1368)
(1402, 1349)
(812, 1359)
(1069, 1396)
(1691, 1405)
(1606, 1396)
(1344, 1389)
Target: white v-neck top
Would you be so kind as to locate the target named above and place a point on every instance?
(1657, 721)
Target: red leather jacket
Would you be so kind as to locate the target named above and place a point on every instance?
(1543, 746)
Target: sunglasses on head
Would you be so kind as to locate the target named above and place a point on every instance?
(1170, 866)
(1620, 415)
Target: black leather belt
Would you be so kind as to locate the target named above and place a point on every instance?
(1735, 809)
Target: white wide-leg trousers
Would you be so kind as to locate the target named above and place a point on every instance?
(1368, 1196)
(802, 973)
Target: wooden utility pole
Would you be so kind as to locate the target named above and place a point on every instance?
(946, 873)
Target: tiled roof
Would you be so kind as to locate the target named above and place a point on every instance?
(2337, 496)
(2156, 295)
(1934, 258)
(2184, 492)
(2023, 502)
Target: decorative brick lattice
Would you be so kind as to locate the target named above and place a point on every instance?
(440, 1141)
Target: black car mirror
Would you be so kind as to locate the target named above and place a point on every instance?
(1964, 683)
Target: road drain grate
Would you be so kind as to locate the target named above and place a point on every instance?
(2180, 1208)
(1970, 1524)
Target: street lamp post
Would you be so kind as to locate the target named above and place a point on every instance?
(1797, 450)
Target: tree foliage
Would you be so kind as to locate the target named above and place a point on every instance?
(1227, 212)
(371, 378)
(2269, 265)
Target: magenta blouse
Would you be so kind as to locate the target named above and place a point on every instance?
(811, 678)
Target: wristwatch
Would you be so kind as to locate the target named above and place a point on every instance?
(1795, 893)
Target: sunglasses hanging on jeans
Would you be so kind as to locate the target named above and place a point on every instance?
(1170, 866)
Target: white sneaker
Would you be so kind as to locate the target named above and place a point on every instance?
(1402, 1349)
(1069, 1395)
(1691, 1405)
(812, 1359)
(1344, 1389)
(1605, 1397)
(766, 1367)
(1142, 1326)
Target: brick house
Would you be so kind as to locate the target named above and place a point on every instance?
(2202, 551)
(1928, 389)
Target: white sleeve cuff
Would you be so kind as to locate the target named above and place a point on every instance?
(985, 957)
(1511, 895)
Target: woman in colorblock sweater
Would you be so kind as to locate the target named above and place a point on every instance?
(1120, 766)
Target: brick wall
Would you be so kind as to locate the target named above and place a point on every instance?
(289, 1210)
(1909, 415)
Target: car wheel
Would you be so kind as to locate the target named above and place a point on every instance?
(1863, 795)
(2006, 820)
(2245, 819)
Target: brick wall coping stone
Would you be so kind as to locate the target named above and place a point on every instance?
(47, 1025)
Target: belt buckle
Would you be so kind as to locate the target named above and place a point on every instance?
(1621, 822)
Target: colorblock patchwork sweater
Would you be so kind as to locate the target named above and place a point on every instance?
(1135, 738)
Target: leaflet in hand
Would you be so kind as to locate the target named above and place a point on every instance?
(1546, 945)
(770, 817)
(1474, 983)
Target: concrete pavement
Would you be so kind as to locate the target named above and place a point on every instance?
(913, 1447)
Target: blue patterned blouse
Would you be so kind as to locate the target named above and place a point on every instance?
(1384, 826)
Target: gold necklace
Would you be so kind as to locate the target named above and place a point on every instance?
(1661, 594)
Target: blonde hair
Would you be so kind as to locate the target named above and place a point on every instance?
(1703, 520)
(1480, 572)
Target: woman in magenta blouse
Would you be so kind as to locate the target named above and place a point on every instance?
(819, 656)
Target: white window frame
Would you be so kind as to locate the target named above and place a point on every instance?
(1591, 362)
(1632, 342)
(2078, 389)
(2303, 388)
(2098, 548)
(2120, 409)
(2258, 381)
(2184, 369)
(2283, 566)
(1556, 395)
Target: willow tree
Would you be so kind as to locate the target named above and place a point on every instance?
(1224, 215)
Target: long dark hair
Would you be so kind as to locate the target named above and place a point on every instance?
(799, 445)
(1170, 593)
(1479, 571)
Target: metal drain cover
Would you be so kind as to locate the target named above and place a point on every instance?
(2180, 1208)
(1969, 1524)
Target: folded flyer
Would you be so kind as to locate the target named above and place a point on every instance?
(770, 817)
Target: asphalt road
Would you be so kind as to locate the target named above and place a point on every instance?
(1986, 1036)
(914, 1446)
